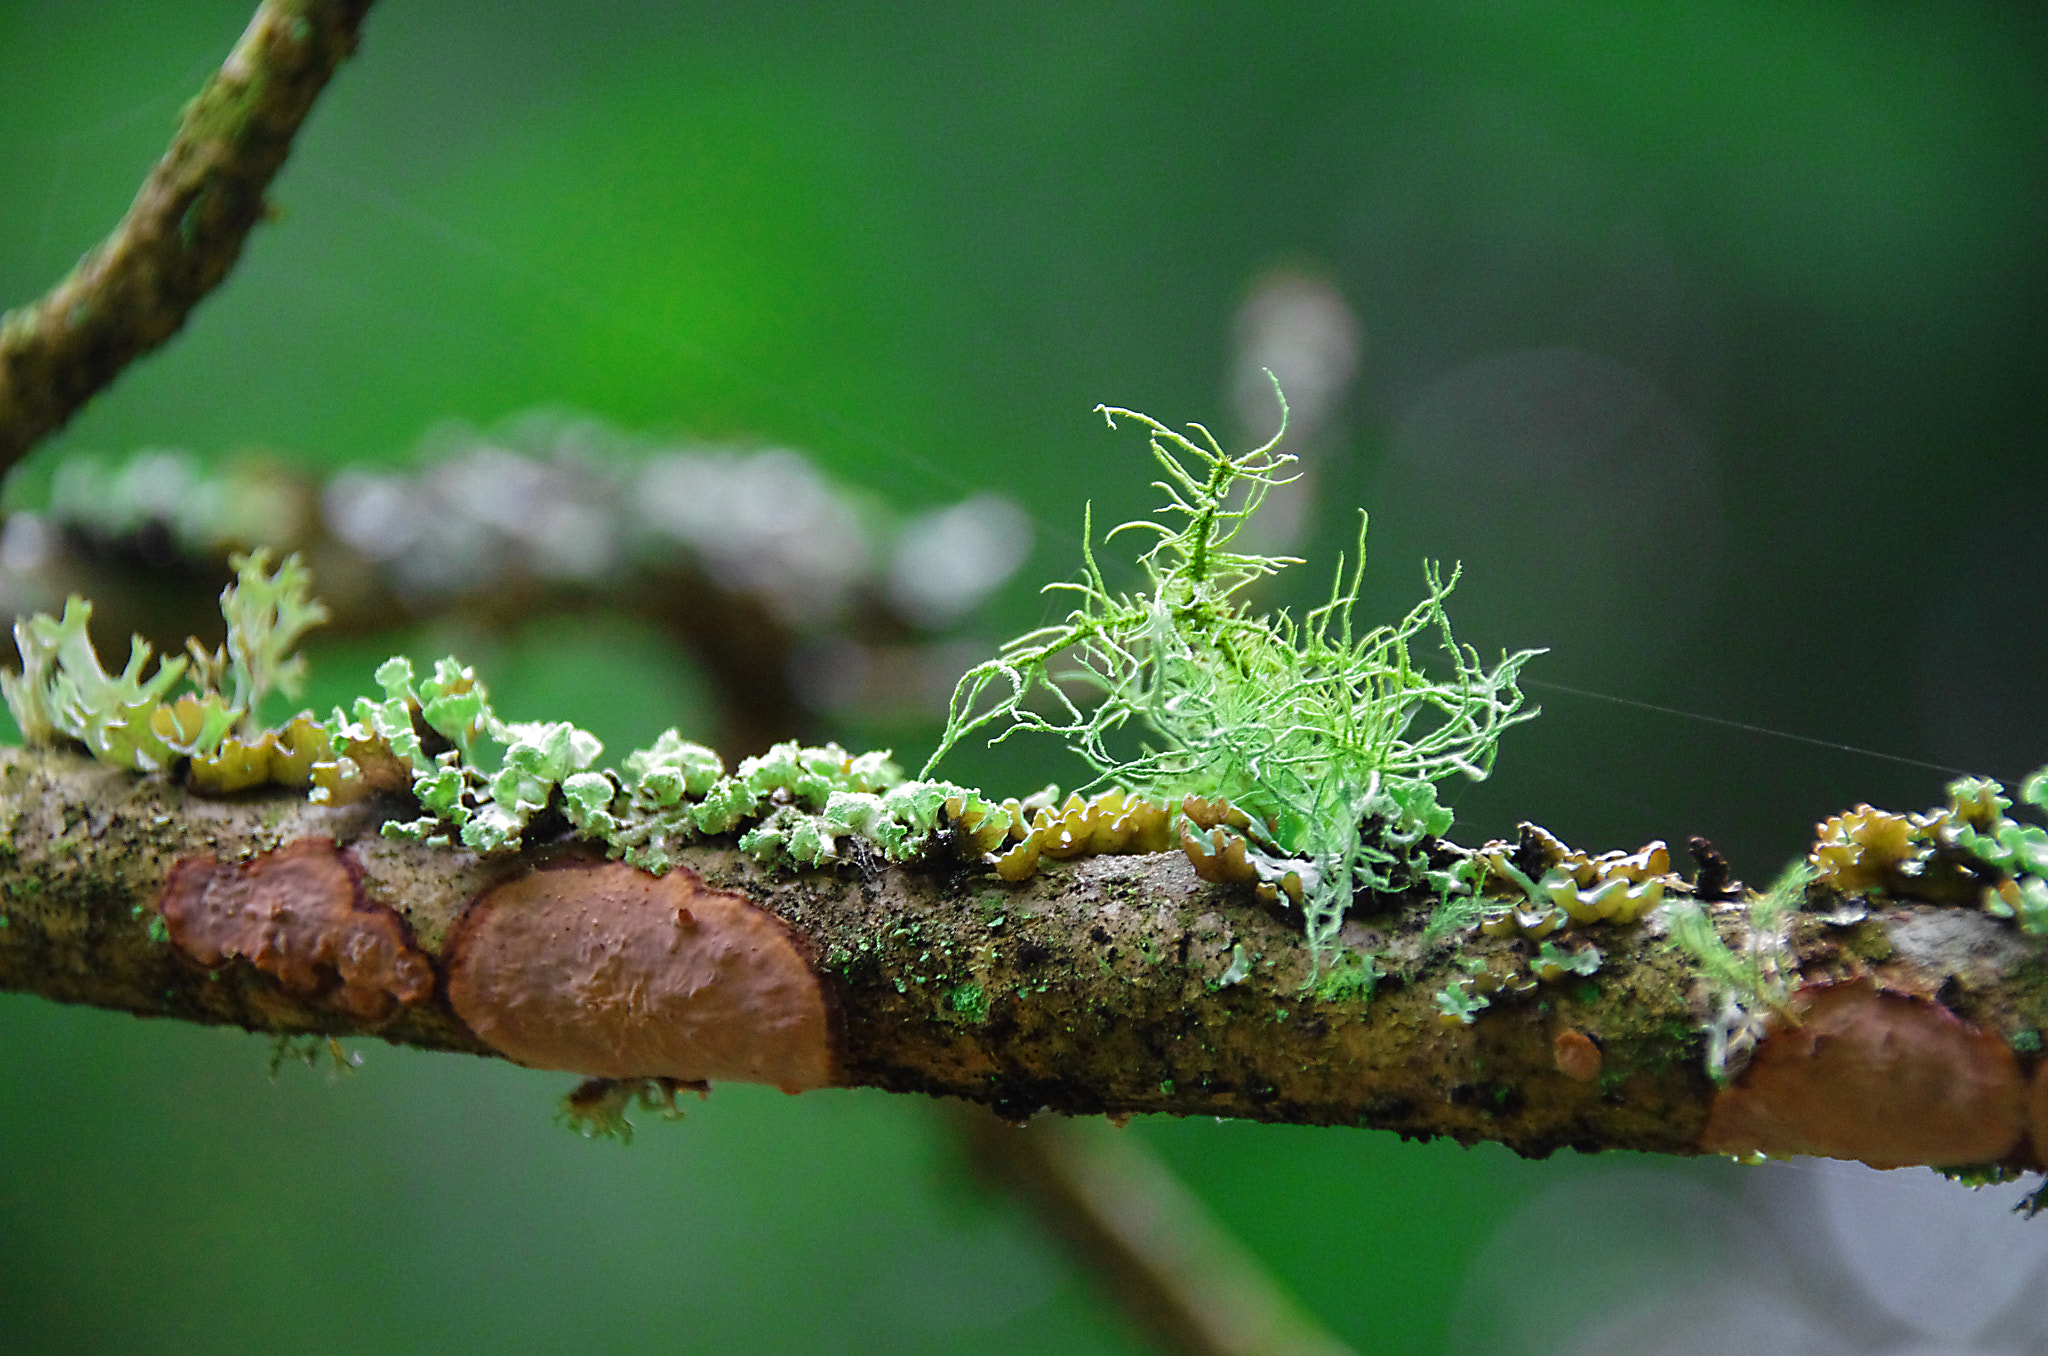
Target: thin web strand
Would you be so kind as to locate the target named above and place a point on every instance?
(1763, 730)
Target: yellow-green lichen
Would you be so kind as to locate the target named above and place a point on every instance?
(1566, 887)
(1968, 851)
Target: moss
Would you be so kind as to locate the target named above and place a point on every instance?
(1349, 982)
(969, 1001)
(2025, 991)
(1982, 1174)
(597, 1108)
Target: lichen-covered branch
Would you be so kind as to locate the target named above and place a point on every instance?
(1112, 984)
(185, 229)
(813, 918)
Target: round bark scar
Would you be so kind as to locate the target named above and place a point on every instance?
(1575, 1055)
(1886, 1078)
(298, 913)
(606, 971)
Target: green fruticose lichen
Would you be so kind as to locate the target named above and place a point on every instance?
(1749, 984)
(1301, 756)
(1330, 741)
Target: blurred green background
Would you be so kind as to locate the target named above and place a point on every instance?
(1710, 337)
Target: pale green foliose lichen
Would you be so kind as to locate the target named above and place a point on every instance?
(1460, 1003)
(2016, 852)
(62, 691)
(126, 718)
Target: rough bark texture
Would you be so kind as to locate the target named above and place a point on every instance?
(1095, 987)
(184, 231)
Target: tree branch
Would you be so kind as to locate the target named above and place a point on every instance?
(184, 231)
(1116, 984)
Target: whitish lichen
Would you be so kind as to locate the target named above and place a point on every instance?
(544, 496)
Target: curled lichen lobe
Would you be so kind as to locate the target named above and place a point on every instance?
(602, 969)
(299, 915)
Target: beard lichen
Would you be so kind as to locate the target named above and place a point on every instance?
(1328, 742)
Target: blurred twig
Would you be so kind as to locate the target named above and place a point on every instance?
(1153, 1248)
(184, 231)
(796, 595)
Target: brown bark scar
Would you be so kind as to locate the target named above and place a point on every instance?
(1866, 1073)
(1576, 1055)
(299, 915)
(604, 970)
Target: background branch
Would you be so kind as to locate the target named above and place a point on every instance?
(1148, 1240)
(799, 597)
(184, 231)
